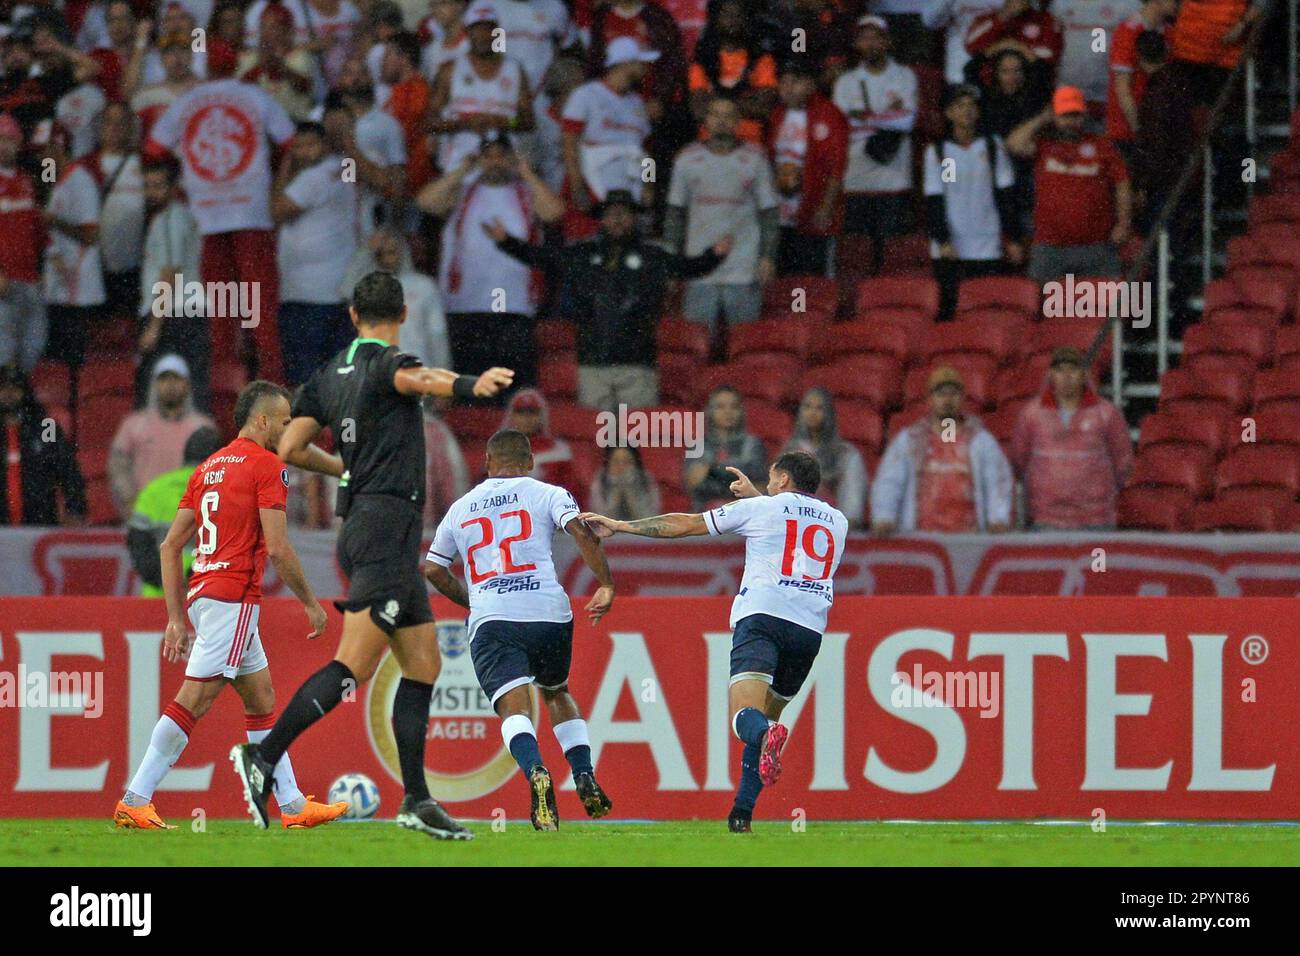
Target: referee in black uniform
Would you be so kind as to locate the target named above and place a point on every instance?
(369, 395)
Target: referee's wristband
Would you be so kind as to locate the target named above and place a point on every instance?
(463, 387)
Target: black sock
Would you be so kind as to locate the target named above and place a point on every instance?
(410, 730)
(319, 694)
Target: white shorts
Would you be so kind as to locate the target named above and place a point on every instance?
(226, 643)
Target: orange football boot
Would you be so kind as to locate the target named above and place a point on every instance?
(139, 818)
(313, 814)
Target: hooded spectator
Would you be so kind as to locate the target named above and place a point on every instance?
(1072, 450)
(726, 445)
(528, 412)
(36, 460)
(945, 472)
(844, 475)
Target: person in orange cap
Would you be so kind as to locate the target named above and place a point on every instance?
(1083, 206)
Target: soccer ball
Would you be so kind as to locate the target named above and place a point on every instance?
(360, 794)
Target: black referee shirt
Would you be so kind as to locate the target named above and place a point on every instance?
(378, 431)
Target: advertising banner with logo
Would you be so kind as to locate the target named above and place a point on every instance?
(63, 561)
(920, 708)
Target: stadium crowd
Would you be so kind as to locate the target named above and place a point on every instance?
(825, 223)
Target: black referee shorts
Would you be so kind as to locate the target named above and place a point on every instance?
(379, 551)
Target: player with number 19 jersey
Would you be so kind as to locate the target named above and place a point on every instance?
(793, 545)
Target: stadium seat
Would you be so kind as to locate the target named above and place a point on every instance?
(772, 377)
(1273, 386)
(1221, 387)
(977, 374)
(573, 423)
(1154, 509)
(556, 335)
(1250, 250)
(917, 296)
(769, 422)
(93, 462)
(666, 465)
(874, 379)
(1287, 344)
(789, 336)
(1274, 208)
(1265, 299)
(1178, 429)
(587, 461)
(100, 509)
(908, 255)
(51, 383)
(909, 414)
(854, 338)
(558, 375)
(227, 377)
(1235, 515)
(1021, 381)
(999, 317)
(947, 340)
(62, 417)
(1264, 466)
(1216, 338)
(98, 417)
(105, 376)
(860, 423)
(1050, 334)
(818, 295)
(679, 377)
(1164, 466)
(1008, 292)
(679, 335)
(1212, 363)
(1002, 422)
(468, 421)
(474, 451)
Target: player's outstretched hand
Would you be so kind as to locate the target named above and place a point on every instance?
(742, 487)
(493, 381)
(599, 525)
(317, 618)
(600, 603)
(176, 641)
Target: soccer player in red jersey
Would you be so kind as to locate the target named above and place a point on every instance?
(235, 500)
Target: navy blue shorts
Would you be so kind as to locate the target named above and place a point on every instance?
(507, 654)
(766, 646)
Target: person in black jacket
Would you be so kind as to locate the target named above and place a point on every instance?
(613, 286)
(36, 460)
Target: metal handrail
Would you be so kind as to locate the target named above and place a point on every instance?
(1195, 158)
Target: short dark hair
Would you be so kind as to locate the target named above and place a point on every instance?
(1151, 47)
(252, 394)
(309, 126)
(167, 167)
(201, 445)
(802, 469)
(408, 45)
(378, 297)
(509, 447)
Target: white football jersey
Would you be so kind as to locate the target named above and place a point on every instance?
(502, 530)
(793, 544)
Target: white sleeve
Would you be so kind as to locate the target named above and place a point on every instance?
(575, 107)
(83, 200)
(166, 130)
(443, 550)
(765, 196)
(732, 518)
(562, 507)
(395, 145)
(307, 190)
(278, 124)
(678, 192)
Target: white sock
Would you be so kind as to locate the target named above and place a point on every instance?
(514, 725)
(287, 794)
(571, 733)
(166, 743)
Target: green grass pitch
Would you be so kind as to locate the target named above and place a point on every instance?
(692, 843)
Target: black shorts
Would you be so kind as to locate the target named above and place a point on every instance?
(508, 654)
(766, 646)
(879, 215)
(379, 551)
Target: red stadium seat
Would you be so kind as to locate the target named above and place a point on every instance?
(467, 421)
(907, 255)
(1287, 343)
(1164, 466)
(769, 422)
(100, 509)
(918, 296)
(99, 416)
(62, 417)
(1002, 422)
(860, 423)
(51, 383)
(556, 335)
(574, 423)
(679, 335)
(1216, 338)
(1265, 466)
(785, 336)
(679, 377)
(1235, 515)
(1021, 381)
(93, 462)
(951, 339)
(1274, 208)
(1276, 386)
(1050, 334)
(227, 377)
(106, 377)
(1178, 428)
(558, 375)
(1222, 387)
(977, 374)
(874, 379)
(1154, 509)
(1267, 299)
(854, 338)
(1007, 292)
(666, 465)
(908, 415)
(1213, 363)
(1272, 426)
(587, 461)
(1250, 250)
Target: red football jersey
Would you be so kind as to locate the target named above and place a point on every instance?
(1074, 182)
(225, 493)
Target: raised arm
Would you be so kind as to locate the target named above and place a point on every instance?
(444, 383)
(296, 449)
(660, 526)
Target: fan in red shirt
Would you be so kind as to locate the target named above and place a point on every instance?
(235, 500)
(1082, 201)
(22, 307)
(1127, 79)
(1016, 25)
